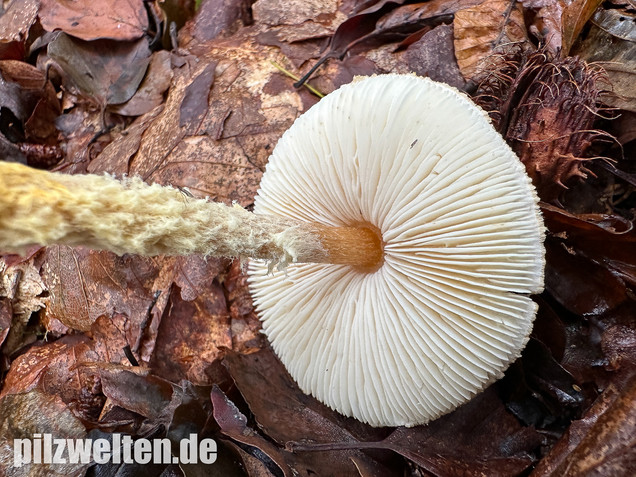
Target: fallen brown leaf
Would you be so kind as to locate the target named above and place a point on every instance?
(233, 424)
(191, 336)
(483, 32)
(602, 442)
(90, 20)
(152, 88)
(15, 22)
(287, 414)
(610, 43)
(22, 416)
(220, 150)
(106, 70)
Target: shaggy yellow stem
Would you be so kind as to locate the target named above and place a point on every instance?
(130, 216)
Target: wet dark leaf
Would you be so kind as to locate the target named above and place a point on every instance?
(579, 284)
(234, 425)
(287, 414)
(479, 438)
(602, 443)
(607, 239)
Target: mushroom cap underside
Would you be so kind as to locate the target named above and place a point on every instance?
(448, 310)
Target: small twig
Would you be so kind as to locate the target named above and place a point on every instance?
(295, 78)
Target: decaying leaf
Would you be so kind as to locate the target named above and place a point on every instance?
(611, 44)
(557, 24)
(22, 416)
(484, 32)
(16, 20)
(602, 442)
(121, 340)
(220, 151)
(90, 20)
(152, 88)
(107, 70)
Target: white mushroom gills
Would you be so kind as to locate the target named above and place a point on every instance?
(407, 338)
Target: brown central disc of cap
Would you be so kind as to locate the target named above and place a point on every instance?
(360, 246)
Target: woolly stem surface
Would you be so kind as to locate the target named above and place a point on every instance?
(130, 216)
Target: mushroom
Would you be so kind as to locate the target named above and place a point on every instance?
(408, 231)
(446, 310)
